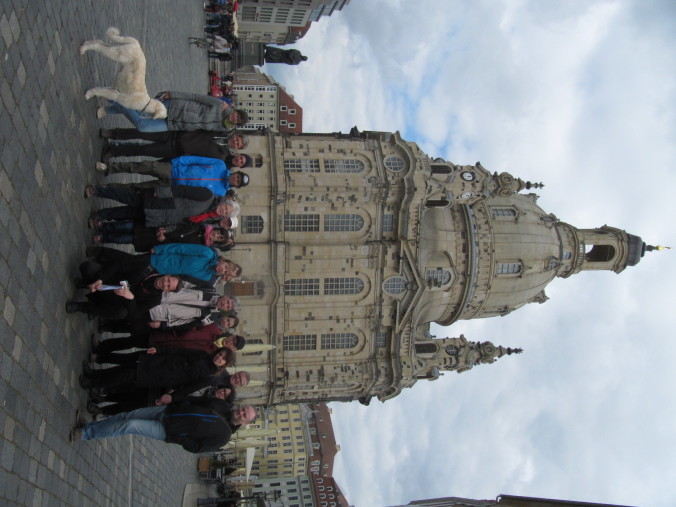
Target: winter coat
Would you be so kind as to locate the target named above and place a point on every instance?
(192, 111)
(198, 424)
(145, 238)
(201, 172)
(201, 143)
(201, 338)
(173, 368)
(189, 304)
(168, 206)
(198, 261)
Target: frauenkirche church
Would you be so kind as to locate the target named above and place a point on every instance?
(354, 243)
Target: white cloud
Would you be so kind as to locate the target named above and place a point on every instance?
(578, 94)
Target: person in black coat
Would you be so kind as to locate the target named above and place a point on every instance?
(197, 424)
(144, 238)
(168, 368)
(168, 145)
(117, 403)
(108, 267)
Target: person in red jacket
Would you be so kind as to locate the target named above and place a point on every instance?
(201, 338)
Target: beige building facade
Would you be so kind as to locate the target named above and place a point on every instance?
(353, 244)
(267, 103)
(282, 21)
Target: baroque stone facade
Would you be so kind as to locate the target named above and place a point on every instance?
(354, 243)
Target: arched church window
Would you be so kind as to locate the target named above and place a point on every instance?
(437, 277)
(395, 285)
(509, 268)
(343, 223)
(343, 286)
(600, 253)
(339, 341)
(551, 263)
(252, 224)
(394, 163)
(566, 256)
(300, 342)
(343, 166)
(452, 350)
(425, 348)
(302, 165)
(305, 222)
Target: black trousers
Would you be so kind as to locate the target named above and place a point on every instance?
(107, 351)
(117, 379)
(162, 144)
(127, 401)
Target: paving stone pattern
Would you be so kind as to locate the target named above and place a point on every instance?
(49, 136)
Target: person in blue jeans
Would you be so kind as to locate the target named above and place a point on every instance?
(185, 111)
(198, 424)
(138, 119)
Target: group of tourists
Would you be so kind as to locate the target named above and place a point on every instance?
(168, 375)
(221, 35)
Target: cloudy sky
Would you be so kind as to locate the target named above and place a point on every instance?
(578, 94)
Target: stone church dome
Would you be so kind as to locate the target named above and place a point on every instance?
(490, 258)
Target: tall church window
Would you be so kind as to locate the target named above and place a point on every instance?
(343, 223)
(301, 222)
(437, 276)
(509, 268)
(381, 338)
(302, 287)
(339, 341)
(302, 165)
(252, 224)
(388, 223)
(425, 348)
(394, 163)
(343, 286)
(600, 253)
(300, 342)
(343, 166)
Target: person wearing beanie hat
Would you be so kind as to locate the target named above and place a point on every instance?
(190, 170)
(229, 222)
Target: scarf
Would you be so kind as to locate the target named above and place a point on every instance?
(196, 219)
(207, 235)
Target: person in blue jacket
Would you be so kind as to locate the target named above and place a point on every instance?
(192, 170)
(187, 259)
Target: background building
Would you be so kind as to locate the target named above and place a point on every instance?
(360, 241)
(266, 102)
(295, 451)
(282, 21)
(504, 501)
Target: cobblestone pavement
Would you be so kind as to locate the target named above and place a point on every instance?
(49, 146)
